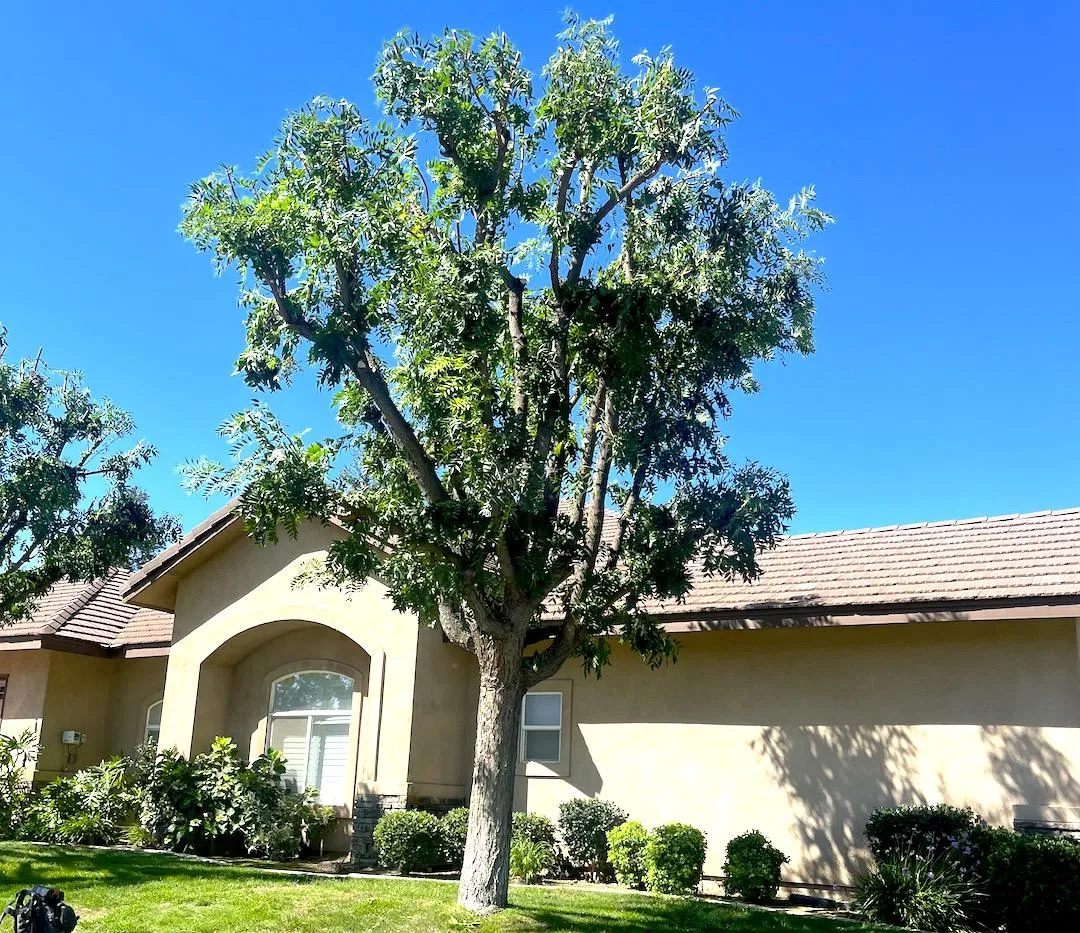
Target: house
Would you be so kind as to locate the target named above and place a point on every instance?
(915, 663)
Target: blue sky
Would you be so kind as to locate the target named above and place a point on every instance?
(944, 137)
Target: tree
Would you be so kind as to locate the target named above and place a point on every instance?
(534, 306)
(68, 509)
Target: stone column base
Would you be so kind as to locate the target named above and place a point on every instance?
(370, 808)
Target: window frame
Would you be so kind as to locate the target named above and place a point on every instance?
(525, 729)
(146, 722)
(309, 715)
(4, 679)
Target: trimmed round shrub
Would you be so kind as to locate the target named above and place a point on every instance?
(674, 859)
(408, 840)
(752, 868)
(453, 828)
(920, 830)
(584, 823)
(529, 860)
(533, 827)
(626, 852)
(1035, 883)
(925, 892)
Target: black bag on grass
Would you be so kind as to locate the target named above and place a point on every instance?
(40, 910)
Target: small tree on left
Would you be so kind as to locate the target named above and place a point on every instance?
(68, 508)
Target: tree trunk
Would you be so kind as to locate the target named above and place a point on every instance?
(485, 874)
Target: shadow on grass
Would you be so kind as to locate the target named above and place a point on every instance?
(606, 913)
(77, 867)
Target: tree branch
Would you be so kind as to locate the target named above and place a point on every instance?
(363, 366)
(516, 325)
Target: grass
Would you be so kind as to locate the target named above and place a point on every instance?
(131, 892)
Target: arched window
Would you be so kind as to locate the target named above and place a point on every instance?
(153, 723)
(310, 713)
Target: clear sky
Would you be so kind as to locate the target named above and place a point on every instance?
(944, 136)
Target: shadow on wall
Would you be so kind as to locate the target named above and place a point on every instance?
(1029, 769)
(834, 778)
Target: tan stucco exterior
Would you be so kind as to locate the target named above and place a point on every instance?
(796, 731)
(801, 732)
(106, 699)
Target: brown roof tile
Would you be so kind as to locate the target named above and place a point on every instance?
(93, 612)
(1008, 557)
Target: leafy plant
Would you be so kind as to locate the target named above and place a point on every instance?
(626, 852)
(218, 803)
(752, 868)
(584, 823)
(674, 859)
(533, 827)
(70, 508)
(530, 860)
(530, 297)
(920, 830)
(16, 753)
(453, 828)
(1033, 883)
(925, 892)
(408, 840)
(91, 807)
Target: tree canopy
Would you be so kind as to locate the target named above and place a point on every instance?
(68, 508)
(535, 301)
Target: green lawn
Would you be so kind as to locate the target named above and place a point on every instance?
(130, 892)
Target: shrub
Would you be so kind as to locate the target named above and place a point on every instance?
(533, 827)
(408, 840)
(137, 837)
(530, 860)
(1033, 883)
(218, 803)
(674, 859)
(16, 752)
(920, 830)
(583, 826)
(91, 807)
(752, 868)
(926, 892)
(626, 852)
(453, 828)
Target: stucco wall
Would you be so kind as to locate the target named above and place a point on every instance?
(137, 683)
(444, 719)
(230, 607)
(800, 733)
(78, 697)
(28, 679)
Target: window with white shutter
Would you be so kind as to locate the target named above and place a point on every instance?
(310, 714)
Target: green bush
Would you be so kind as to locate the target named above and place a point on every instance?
(920, 830)
(1033, 883)
(530, 860)
(453, 828)
(752, 868)
(533, 827)
(90, 807)
(925, 892)
(219, 804)
(408, 840)
(16, 752)
(583, 827)
(674, 859)
(626, 852)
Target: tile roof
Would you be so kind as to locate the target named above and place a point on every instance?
(1008, 557)
(94, 612)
